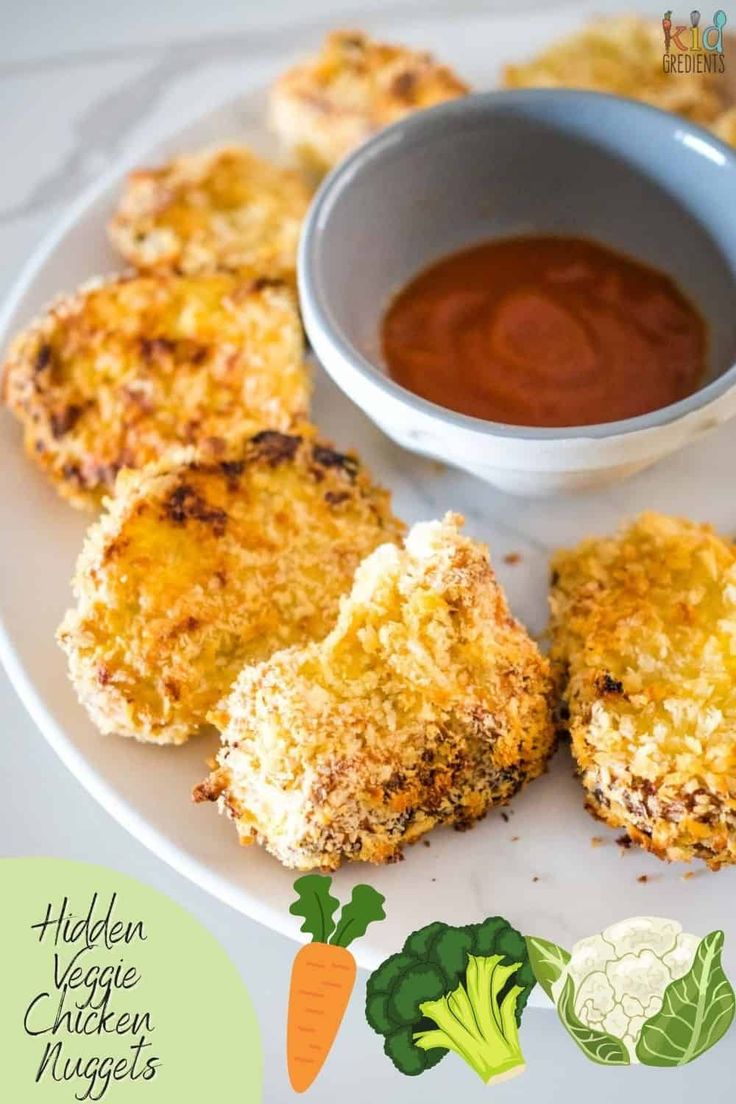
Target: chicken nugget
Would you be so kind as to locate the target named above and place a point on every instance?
(425, 705)
(725, 126)
(621, 56)
(326, 106)
(123, 370)
(644, 643)
(222, 210)
(202, 564)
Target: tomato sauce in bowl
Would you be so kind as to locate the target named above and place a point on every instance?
(545, 331)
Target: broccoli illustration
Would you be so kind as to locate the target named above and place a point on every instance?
(461, 989)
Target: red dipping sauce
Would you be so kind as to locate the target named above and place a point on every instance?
(545, 331)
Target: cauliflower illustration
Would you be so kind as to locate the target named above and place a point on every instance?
(620, 976)
(641, 991)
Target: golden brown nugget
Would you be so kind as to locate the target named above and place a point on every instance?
(199, 566)
(325, 107)
(644, 632)
(621, 56)
(426, 705)
(725, 126)
(222, 210)
(121, 371)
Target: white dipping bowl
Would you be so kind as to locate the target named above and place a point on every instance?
(497, 164)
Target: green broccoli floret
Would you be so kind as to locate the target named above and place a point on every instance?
(419, 943)
(461, 989)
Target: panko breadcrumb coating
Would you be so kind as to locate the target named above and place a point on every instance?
(222, 210)
(325, 107)
(121, 371)
(644, 638)
(200, 565)
(621, 56)
(426, 704)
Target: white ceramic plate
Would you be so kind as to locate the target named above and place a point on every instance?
(534, 863)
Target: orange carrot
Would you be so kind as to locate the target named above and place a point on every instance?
(323, 974)
(322, 980)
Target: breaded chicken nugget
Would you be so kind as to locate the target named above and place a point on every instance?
(622, 56)
(222, 210)
(644, 639)
(119, 372)
(201, 565)
(725, 126)
(324, 107)
(426, 704)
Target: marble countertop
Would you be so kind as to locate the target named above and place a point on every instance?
(82, 85)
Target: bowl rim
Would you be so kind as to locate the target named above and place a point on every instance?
(320, 323)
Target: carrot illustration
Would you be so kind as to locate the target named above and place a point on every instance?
(667, 28)
(323, 974)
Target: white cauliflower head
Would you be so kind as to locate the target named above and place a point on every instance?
(619, 977)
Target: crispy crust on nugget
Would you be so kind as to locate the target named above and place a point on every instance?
(200, 565)
(222, 210)
(621, 56)
(644, 640)
(121, 371)
(326, 106)
(426, 705)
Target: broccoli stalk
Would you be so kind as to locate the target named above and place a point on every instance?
(471, 1022)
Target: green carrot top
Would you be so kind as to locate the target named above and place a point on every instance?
(315, 903)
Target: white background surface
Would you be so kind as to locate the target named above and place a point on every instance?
(82, 84)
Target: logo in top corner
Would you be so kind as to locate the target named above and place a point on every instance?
(690, 48)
